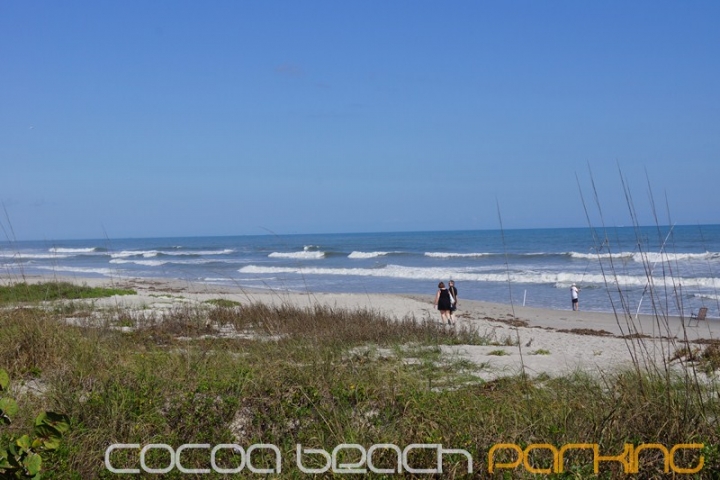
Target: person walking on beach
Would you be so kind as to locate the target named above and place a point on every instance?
(574, 295)
(443, 304)
(453, 299)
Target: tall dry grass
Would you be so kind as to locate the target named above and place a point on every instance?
(321, 377)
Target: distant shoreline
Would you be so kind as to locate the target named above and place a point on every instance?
(539, 317)
(535, 267)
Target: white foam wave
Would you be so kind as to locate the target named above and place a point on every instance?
(135, 253)
(455, 255)
(710, 296)
(648, 257)
(304, 255)
(365, 272)
(676, 257)
(165, 261)
(155, 253)
(595, 256)
(557, 279)
(362, 255)
(31, 256)
(218, 279)
(72, 250)
(226, 251)
(101, 271)
(147, 263)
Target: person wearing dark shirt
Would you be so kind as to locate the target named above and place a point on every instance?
(442, 303)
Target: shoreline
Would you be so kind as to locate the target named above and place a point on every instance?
(535, 268)
(543, 341)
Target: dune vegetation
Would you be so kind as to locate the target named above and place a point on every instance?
(224, 373)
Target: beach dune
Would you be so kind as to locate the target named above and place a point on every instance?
(542, 341)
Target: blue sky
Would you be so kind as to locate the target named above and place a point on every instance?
(173, 118)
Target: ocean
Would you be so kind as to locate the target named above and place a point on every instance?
(664, 269)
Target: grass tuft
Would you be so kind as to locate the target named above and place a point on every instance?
(49, 291)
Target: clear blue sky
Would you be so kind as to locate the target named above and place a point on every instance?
(172, 118)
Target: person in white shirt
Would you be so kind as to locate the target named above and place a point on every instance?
(574, 295)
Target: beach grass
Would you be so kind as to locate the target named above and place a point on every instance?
(228, 373)
(49, 291)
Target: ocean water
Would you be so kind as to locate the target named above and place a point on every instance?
(666, 269)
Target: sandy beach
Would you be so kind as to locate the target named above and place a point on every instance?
(552, 342)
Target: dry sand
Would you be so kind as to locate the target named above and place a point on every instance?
(552, 342)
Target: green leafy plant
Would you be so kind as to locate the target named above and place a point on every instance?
(22, 456)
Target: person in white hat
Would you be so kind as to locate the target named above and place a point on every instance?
(574, 295)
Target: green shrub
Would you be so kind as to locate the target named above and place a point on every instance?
(22, 456)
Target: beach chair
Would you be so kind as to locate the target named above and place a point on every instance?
(700, 316)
